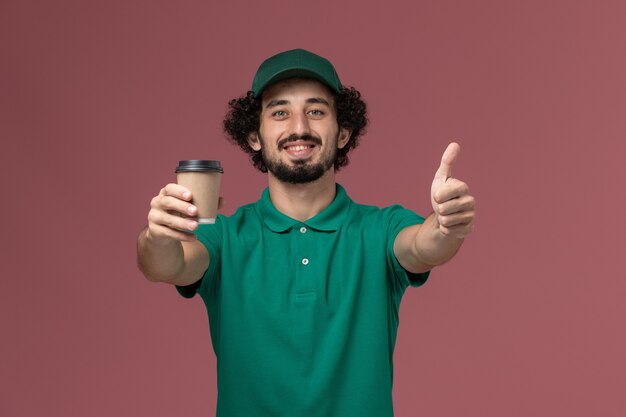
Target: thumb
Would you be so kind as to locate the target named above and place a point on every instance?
(447, 160)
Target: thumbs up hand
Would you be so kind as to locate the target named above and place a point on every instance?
(452, 204)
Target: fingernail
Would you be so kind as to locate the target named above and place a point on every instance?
(191, 209)
(186, 195)
(192, 225)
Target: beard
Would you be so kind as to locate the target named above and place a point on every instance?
(302, 171)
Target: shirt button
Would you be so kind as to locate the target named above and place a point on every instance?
(305, 261)
(303, 229)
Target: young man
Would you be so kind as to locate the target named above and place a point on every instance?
(303, 287)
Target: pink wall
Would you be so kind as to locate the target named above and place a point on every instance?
(99, 100)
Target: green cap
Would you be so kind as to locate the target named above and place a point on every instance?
(293, 64)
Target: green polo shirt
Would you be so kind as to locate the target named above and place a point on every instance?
(303, 315)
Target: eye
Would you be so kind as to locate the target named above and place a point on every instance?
(279, 114)
(316, 112)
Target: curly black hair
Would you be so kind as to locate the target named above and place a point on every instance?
(243, 118)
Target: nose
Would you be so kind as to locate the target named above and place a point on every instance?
(299, 125)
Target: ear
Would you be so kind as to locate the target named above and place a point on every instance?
(344, 138)
(254, 142)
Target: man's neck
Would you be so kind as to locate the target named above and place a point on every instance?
(303, 201)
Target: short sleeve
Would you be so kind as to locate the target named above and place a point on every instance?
(400, 218)
(210, 235)
(188, 291)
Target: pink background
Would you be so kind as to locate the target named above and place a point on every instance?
(99, 100)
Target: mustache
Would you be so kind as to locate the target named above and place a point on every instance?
(294, 138)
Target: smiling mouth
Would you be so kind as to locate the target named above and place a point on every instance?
(297, 148)
(299, 140)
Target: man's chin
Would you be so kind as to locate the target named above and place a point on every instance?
(300, 161)
(298, 174)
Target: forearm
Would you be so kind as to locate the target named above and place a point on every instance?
(431, 246)
(160, 260)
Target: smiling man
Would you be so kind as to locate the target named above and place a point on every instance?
(300, 112)
(303, 287)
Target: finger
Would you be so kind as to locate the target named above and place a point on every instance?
(456, 205)
(178, 191)
(172, 221)
(457, 219)
(453, 188)
(447, 160)
(168, 203)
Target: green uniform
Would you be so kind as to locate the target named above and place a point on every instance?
(304, 315)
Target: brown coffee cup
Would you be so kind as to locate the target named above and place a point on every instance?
(202, 178)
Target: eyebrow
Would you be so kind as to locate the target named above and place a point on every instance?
(274, 103)
(318, 100)
(314, 100)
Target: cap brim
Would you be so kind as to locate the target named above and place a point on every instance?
(294, 73)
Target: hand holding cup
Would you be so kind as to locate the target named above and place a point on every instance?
(181, 207)
(171, 213)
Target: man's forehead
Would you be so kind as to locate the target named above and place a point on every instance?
(309, 88)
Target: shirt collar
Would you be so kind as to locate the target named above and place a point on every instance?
(328, 220)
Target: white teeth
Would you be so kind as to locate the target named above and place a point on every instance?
(298, 148)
